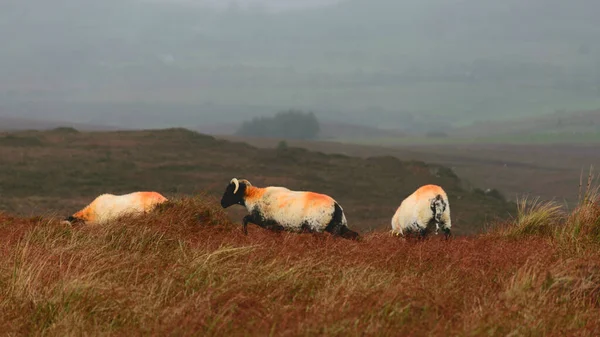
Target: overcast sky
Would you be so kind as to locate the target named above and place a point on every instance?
(277, 5)
(405, 64)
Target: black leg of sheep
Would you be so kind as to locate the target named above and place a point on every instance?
(447, 233)
(343, 231)
(270, 225)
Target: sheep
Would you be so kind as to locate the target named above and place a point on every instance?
(278, 208)
(108, 207)
(428, 205)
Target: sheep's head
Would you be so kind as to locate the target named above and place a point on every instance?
(438, 206)
(235, 192)
(71, 220)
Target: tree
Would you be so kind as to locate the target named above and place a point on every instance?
(291, 124)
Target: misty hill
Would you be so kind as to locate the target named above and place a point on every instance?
(411, 65)
(328, 130)
(59, 172)
(16, 123)
(558, 123)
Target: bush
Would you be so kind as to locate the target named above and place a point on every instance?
(282, 145)
(65, 130)
(534, 218)
(583, 223)
(291, 124)
(494, 193)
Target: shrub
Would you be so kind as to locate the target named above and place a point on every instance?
(583, 224)
(291, 124)
(282, 145)
(65, 130)
(534, 218)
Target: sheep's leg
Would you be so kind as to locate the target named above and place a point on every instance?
(305, 228)
(258, 220)
(248, 218)
(447, 233)
(334, 228)
(272, 226)
(422, 234)
(338, 225)
(343, 231)
(347, 233)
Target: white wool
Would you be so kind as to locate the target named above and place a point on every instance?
(108, 207)
(414, 213)
(292, 209)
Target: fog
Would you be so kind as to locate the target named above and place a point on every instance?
(405, 65)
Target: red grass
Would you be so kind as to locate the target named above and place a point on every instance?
(187, 270)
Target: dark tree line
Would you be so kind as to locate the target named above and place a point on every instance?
(291, 124)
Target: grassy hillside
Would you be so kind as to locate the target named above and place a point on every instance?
(60, 171)
(187, 270)
(551, 171)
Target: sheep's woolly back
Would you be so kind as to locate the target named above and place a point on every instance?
(414, 213)
(107, 207)
(291, 209)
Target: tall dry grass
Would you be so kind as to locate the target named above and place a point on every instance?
(187, 270)
(572, 229)
(583, 224)
(534, 217)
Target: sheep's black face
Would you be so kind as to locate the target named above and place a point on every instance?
(229, 198)
(74, 221)
(438, 206)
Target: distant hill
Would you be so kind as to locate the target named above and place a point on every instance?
(58, 172)
(329, 130)
(581, 122)
(340, 130)
(17, 123)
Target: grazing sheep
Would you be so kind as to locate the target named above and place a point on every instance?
(278, 208)
(108, 207)
(428, 205)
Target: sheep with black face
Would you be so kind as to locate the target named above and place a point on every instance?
(278, 208)
(425, 207)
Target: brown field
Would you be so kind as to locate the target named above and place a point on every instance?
(58, 172)
(551, 171)
(187, 270)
